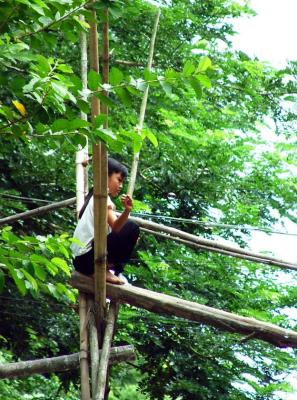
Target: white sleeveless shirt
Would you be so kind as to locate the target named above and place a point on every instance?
(84, 231)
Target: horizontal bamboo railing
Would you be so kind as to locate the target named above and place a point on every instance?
(169, 305)
(168, 233)
(59, 364)
(210, 245)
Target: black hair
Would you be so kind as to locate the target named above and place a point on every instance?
(114, 167)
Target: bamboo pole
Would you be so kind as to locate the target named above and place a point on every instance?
(94, 346)
(107, 389)
(164, 304)
(100, 193)
(139, 128)
(213, 245)
(194, 245)
(82, 153)
(81, 191)
(103, 376)
(103, 363)
(37, 211)
(59, 364)
(105, 68)
(83, 354)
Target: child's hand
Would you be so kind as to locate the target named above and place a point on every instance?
(127, 202)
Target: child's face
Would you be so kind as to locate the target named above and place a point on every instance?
(115, 183)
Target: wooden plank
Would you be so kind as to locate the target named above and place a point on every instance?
(169, 305)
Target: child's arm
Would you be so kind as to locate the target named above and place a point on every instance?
(116, 223)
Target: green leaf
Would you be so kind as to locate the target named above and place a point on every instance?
(204, 80)
(60, 89)
(201, 44)
(60, 263)
(137, 144)
(84, 106)
(39, 259)
(60, 125)
(65, 68)
(149, 134)
(151, 77)
(116, 76)
(81, 22)
(124, 95)
(115, 12)
(105, 99)
(204, 64)
(166, 87)
(53, 290)
(290, 98)
(38, 9)
(20, 283)
(64, 290)
(196, 86)
(94, 80)
(39, 272)
(30, 279)
(100, 120)
(78, 123)
(172, 75)
(189, 68)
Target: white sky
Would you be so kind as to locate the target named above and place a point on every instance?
(271, 36)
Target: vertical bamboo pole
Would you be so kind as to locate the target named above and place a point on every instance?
(82, 153)
(104, 359)
(83, 355)
(94, 347)
(81, 189)
(135, 162)
(100, 194)
(105, 58)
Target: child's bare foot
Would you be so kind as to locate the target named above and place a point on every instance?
(111, 278)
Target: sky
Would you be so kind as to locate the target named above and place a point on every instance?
(271, 36)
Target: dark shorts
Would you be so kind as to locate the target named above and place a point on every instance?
(120, 246)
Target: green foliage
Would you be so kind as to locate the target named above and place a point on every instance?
(30, 261)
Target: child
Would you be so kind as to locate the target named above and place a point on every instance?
(122, 234)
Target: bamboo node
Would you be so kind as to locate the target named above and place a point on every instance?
(83, 354)
(101, 259)
(100, 196)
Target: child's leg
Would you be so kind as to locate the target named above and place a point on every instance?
(120, 244)
(85, 265)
